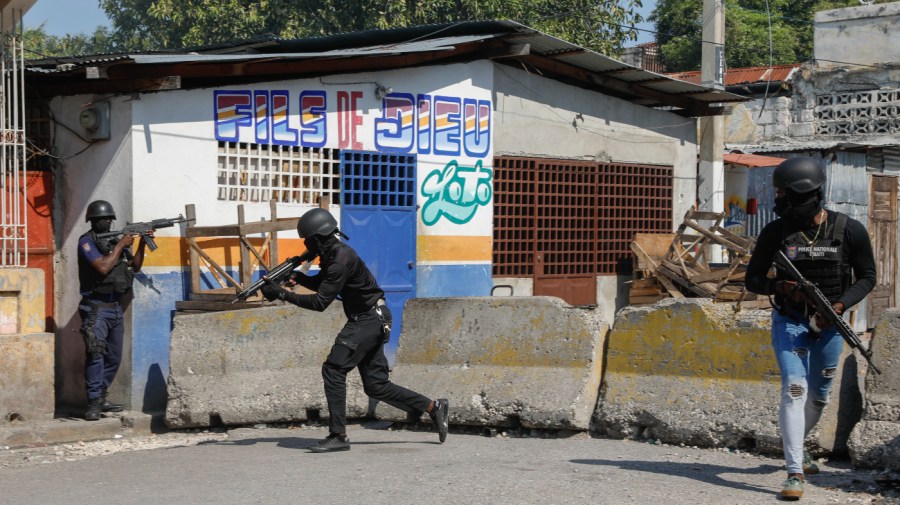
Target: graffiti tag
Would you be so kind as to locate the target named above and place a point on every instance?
(455, 192)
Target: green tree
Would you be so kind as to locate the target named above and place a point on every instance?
(679, 31)
(38, 44)
(602, 25)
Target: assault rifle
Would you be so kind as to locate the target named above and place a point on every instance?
(143, 229)
(824, 307)
(276, 274)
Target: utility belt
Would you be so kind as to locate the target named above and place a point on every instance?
(97, 304)
(379, 311)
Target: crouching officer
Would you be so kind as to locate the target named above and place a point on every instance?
(360, 344)
(106, 270)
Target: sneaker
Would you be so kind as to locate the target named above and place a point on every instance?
(331, 443)
(93, 410)
(440, 415)
(809, 465)
(792, 488)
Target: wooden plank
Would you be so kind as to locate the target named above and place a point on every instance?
(716, 238)
(245, 268)
(646, 291)
(644, 259)
(191, 213)
(713, 275)
(640, 300)
(214, 306)
(699, 215)
(673, 291)
(654, 246)
(212, 264)
(272, 238)
(234, 230)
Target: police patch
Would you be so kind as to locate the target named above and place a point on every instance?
(792, 252)
(86, 247)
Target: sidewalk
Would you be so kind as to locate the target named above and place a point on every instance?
(71, 429)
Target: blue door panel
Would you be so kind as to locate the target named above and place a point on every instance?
(378, 214)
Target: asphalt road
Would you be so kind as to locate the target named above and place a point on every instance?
(271, 466)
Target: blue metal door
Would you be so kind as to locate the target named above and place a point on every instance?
(378, 213)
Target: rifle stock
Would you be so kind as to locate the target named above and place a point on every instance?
(824, 307)
(276, 274)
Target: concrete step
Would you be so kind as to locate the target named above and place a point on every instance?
(69, 429)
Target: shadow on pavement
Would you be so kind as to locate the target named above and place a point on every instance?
(696, 471)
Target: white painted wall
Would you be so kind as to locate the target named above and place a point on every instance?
(536, 116)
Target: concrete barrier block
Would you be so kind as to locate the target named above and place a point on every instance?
(694, 372)
(875, 442)
(534, 362)
(255, 365)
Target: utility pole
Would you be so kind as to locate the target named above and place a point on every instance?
(711, 171)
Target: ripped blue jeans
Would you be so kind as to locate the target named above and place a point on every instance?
(808, 367)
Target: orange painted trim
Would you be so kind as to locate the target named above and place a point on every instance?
(175, 251)
(454, 248)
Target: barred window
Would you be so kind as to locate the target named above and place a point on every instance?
(291, 174)
(558, 218)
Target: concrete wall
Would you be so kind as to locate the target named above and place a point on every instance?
(864, 35)
(26, 376)
(875, 441)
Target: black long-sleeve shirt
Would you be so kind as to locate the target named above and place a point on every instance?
(343, 273)
(856, 249)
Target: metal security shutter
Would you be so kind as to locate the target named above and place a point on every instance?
(565, 222)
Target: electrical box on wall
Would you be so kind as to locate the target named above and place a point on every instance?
(94, 120)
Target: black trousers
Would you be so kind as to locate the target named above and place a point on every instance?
(360, 344)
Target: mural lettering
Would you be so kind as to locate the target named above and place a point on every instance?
(455, 192)
(408, 123)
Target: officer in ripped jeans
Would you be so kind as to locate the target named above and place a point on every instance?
(360, 344)
(106, 269)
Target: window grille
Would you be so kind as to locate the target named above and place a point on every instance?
(290, 174)
(574, 218)
(387, 181)
(13, 214)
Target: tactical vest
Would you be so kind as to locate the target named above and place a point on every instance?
(821, 261)
(117, 281)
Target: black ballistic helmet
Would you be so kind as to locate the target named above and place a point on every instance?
(800, 175)
(99, 209)
(316, 222)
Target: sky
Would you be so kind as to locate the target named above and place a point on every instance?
(66, 16)
(84, 16)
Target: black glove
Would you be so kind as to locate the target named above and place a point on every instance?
(272, 291)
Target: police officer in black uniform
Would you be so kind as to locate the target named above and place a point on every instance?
(833, 251)
(360, 344)
(106, 270)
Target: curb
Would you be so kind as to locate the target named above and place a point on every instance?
(69, 429)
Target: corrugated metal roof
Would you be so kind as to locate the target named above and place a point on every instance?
(564, 59)
(747, 75)
(752, 160)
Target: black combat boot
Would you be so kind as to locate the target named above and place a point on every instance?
(93, 409)
(107, 405)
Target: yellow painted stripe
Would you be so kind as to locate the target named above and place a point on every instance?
(175, 252)
(454, 248)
